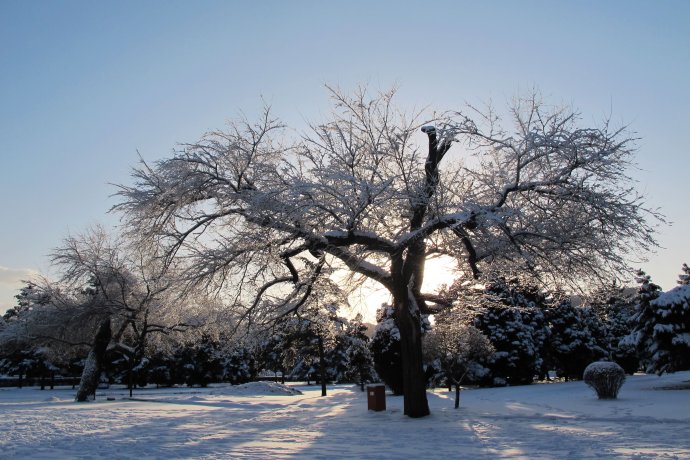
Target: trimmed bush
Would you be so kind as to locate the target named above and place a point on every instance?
(606, 378)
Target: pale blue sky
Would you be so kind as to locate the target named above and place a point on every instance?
(84, 85)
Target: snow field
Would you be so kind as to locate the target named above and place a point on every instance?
(543, 421)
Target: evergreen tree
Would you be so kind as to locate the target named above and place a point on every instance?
(616, 309)
(684, 277)
(20, 363)
(239, 366)
(312, 333)
(199, 362)
(510, 315)
(644, 320)
(359, 361)
(577, 338)
(670, 343)
(385, 347)
(271, 350)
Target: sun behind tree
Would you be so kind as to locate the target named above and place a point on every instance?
(248, 210)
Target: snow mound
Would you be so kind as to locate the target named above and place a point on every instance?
(258, 388)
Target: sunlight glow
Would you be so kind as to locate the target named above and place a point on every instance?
(365, 300)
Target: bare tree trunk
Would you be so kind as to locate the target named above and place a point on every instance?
(414, 382)
(94, 363)
(322, 366)
(129, 380)
(457, 395)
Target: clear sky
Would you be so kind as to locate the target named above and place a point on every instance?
(84, 85)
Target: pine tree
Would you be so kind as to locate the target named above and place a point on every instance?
(510, 316)
(684, 277)
(615, 310)
(239, 365)
(644, 320)
(577, 338)
(350, 360)
(670, 343)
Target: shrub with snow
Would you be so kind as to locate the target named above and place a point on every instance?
(606, 378)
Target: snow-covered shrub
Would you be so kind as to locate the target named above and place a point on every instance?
(606, 378)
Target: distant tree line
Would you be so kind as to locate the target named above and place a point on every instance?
(316, 345)
(506, 331)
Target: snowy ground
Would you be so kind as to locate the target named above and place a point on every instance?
(651, 419)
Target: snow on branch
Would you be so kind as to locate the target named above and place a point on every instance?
(547, 194)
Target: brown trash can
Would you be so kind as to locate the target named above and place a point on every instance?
(376, 397)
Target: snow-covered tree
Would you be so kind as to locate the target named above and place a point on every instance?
(615, 308)
(577, 338)
(271, 347)
(461, 349)
(684, 277)
(104, 284)
(385, 349)
(669, 350)
(509, 312)
(239, 365)
(359, 360)
(644, 319)
(241, 206)
(25, 353)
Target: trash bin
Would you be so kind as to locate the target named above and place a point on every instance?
(376, 397)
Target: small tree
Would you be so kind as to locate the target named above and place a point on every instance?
(462, 350)
(360, 362)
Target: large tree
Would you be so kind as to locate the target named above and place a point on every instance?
(263, 212)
